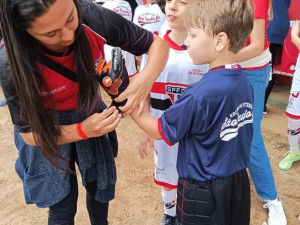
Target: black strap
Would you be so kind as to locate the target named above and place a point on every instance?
(57, 67)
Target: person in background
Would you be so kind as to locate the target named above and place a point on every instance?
(122, 8)
(293, 110)
(255, 60)
(278, 28)
(48, 76)
(149, 17)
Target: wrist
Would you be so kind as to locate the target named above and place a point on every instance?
(80, 132)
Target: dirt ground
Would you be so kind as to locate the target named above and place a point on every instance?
(138, 199)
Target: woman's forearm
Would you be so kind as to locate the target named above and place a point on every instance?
(95, 125)
(68, 135)
(156, 62)
(256, 47)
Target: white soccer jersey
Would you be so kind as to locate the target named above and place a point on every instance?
(150, 17)
(122, 8)
(296, 80)
(164, 28)
(178, 73)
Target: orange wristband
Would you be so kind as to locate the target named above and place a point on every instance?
(80, 131)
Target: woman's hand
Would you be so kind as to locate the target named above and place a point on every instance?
(140, 85)
(136, 93)
(99, 124)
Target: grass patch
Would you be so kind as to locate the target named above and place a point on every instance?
(278, 141)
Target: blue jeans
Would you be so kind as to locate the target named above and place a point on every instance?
(259, 166)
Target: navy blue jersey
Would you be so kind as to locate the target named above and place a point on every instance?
(212, 121)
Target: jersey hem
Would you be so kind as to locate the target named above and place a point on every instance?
(292, 116)
(163, 184)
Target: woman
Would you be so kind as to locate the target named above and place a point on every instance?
(254, 59)
(59, 121)
(277, 31)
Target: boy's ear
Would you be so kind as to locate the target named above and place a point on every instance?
(221, 41)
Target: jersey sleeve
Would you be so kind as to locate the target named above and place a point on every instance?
(184, 118)
(116, 30)
(10, 94)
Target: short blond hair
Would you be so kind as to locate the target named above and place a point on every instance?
(233, 17)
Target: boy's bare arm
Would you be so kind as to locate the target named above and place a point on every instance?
(147, 123)
(145, 138)
(295, 34)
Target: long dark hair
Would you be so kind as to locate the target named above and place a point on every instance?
(24, 53)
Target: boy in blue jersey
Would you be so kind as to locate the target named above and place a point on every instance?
(212, 120)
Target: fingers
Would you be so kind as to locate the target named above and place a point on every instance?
(143, 152)
(107, 121)
(128, 107)
(141, 107)
(113, 125)
(122, 96)
(100, 117)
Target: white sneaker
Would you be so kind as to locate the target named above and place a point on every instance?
(276, 213)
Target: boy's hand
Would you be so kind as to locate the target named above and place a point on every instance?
(144, 139)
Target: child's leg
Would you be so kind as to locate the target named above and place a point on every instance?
(195, 203)
(240, 199)
(232, 199)
(223, 201)
(293, 135)
(166, 176)
(169, 199)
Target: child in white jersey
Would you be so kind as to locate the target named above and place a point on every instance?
(293, 109)
(150, 17)
(171, 83)
(123, 9)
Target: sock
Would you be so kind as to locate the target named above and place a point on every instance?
(169, 199)
(293, 133)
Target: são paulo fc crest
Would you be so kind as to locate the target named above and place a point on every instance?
(175, 91)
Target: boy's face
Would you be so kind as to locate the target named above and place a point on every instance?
(174, 11)
(201, 46)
